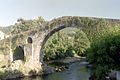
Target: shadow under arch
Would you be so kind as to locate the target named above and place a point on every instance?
(47, 37)
(18, 53)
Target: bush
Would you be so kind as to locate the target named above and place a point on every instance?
(105, 53)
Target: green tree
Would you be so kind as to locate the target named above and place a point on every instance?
(105, 53)
(81, 43)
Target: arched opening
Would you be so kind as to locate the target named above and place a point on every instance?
(29, 40)
(69, 32)
(18, 54)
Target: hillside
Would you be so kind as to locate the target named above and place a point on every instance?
(6, 30)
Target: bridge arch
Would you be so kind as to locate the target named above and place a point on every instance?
(48, 35)
(56, 25)
(19, 53)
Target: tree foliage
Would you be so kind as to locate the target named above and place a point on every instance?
(105, 52)
(56, 46)
(81, 43)
(63, 45)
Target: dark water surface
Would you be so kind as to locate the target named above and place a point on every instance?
(76, 71)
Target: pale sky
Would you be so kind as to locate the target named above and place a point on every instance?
(11, 10)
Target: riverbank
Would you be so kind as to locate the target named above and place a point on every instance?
(60, 65)
(75, 71)
(67, 60)
(18, 67)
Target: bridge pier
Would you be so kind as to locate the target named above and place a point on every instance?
(28, 52)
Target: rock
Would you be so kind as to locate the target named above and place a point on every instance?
(48, 70)
(113, 74)
(89, 66)
(58, 69)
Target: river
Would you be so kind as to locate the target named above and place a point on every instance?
(76, 71)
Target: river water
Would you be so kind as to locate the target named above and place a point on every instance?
(76, 71)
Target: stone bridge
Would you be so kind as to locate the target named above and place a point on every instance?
(32, 42)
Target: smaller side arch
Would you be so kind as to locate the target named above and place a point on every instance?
(18, 53)
(29, 40)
